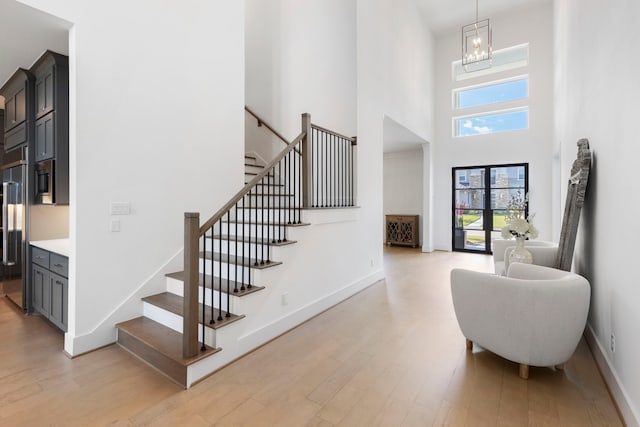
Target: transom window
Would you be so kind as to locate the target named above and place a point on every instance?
(496, 105)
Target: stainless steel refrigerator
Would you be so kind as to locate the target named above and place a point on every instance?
(14, 231)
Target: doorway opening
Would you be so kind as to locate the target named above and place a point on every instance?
(481, 196)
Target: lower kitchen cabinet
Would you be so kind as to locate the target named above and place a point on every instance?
(50, 287)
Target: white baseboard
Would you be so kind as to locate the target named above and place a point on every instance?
(629, 414)
(295, 318)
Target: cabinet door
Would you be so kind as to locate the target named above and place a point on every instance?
(58, 312)
(9, 113)
(44, 93)
(41, 289)
(45, 137)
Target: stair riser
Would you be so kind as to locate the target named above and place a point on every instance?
(251, 161)
(233, 273)
(275, 215)
(177, 287)
(252, 230)
(174, 321)
(271, 179)
(242, 249)
(270, 202)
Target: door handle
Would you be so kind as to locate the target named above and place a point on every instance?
(5, 223)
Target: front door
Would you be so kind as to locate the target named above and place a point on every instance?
(481, 196)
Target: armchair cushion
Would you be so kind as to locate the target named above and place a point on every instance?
(534, 316)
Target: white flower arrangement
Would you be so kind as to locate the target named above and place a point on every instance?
(517, 225)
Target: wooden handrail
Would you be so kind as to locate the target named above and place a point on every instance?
(240, 194)
(350, 138)
(262, 122)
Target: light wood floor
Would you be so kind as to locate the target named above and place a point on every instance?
(391, 355)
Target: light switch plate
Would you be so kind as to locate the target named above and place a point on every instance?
(120, 208)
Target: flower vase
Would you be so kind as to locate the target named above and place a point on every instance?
(519, 253)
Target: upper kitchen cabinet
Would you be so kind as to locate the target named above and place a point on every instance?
(51, 72)
(50, 148)
(18, 105)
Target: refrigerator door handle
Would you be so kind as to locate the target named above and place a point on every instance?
(5, 223)
(6, 188)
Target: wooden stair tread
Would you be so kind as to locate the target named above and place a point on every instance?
(256, 174)
(246, 156)
(174, 304)
(231, 259)
(161, 338)
(243, 239)
(255, 166)
(179, 275)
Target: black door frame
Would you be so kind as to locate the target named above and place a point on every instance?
(487, 216)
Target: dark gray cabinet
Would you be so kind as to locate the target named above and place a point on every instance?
(45, 137)
(50, 286)
(45, 91)
(51, 139)
(18, 105)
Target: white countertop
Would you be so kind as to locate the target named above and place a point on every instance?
(59, 246)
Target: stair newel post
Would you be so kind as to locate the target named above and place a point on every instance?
(191, 255)
(306, 172)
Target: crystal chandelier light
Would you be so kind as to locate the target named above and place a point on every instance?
(476, 44)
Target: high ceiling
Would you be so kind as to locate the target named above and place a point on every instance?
(446, 16)
(25, 33)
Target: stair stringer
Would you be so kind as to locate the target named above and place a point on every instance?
(313, 276)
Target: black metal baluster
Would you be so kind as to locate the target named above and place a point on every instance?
(262, 226)
(204, 286)
(324, 178)
(283, 190)
(299, 156)
(279, 202)
(235, 278)
(220, 266)
(310, 139)
(248, 266)
(344, 172)
(244, 239)
(314, 140)
(269, 223)
(286, 187)
(229, 260)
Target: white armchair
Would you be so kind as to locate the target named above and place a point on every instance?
(543, 253)
(534, 316)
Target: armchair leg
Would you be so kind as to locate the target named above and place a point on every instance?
(469, 344)
(524, 371)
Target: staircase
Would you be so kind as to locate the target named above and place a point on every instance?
(232, 255)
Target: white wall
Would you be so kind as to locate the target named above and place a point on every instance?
(597, 96)
(403, 184)
(156, 104)
(301, 58)
(533, 146)
(395, 79)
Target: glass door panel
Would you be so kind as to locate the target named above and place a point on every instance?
(482, 197)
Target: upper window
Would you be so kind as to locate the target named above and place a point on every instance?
(492, 106)
(491, 93)
(502, 60)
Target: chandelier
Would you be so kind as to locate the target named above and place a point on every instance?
(476, 44)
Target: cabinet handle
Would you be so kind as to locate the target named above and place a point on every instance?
(57, 265)
(39, 257)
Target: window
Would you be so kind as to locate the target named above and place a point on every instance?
(491, 93)
(503, 60)
(491, 123)
(496, 105)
